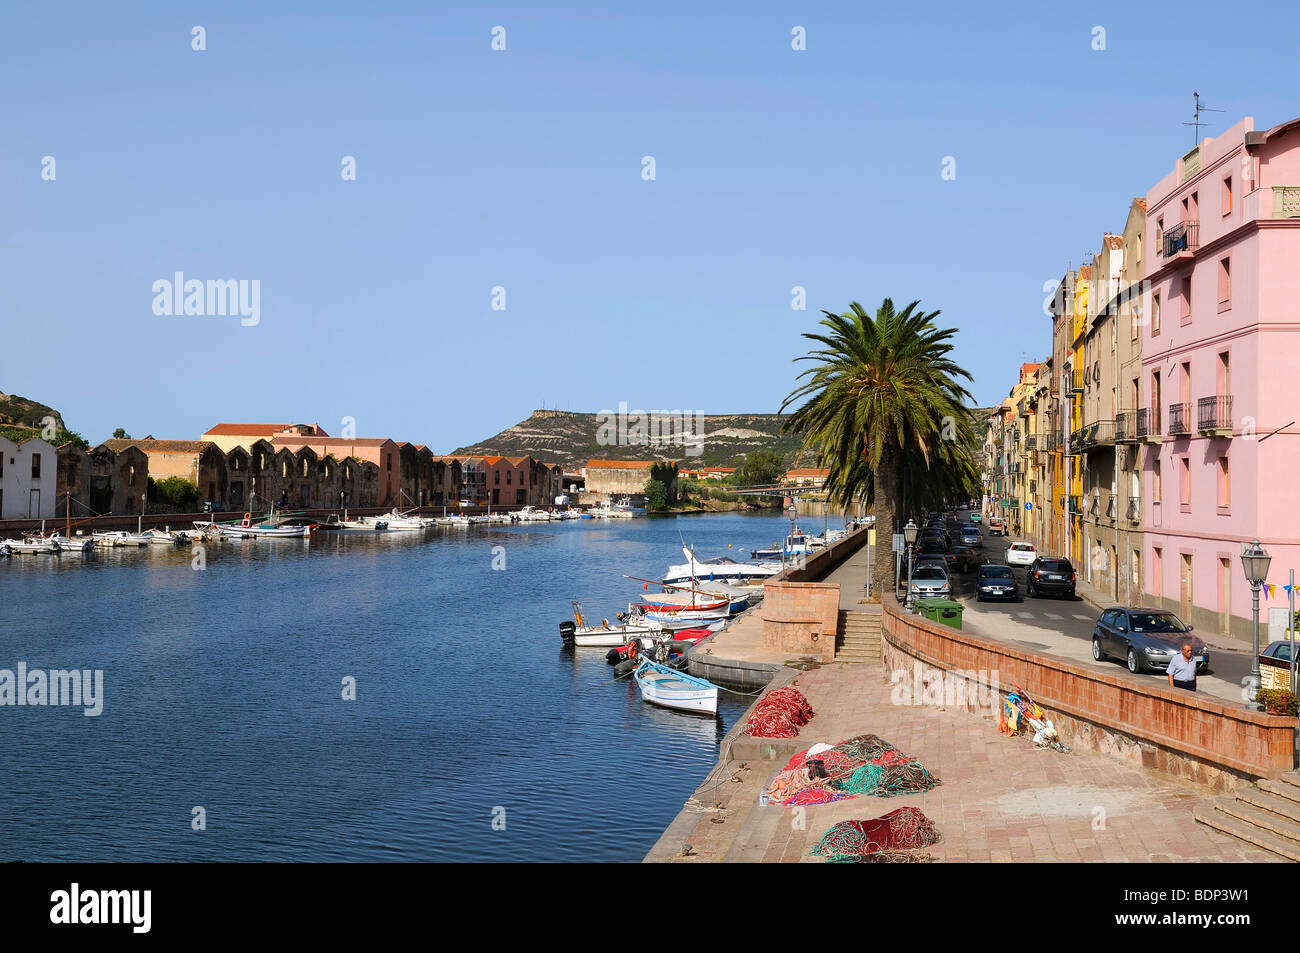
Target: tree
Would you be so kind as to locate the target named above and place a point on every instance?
(885, 410)
(656, 496)
(121, 434)
(760, 468)
(174, 491)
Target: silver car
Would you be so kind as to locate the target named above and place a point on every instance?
(930, 581)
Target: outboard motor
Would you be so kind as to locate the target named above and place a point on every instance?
(567, 628)
(613, 656)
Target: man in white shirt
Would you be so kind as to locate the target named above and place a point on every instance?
(1182, 670)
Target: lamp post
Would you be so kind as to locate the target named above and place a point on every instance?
(909, 537)
(1254, 562)
(791, 511)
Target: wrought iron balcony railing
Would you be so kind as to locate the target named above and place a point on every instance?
(1126, 426)
(1214, 416)
(1147, 425)
(1183, 239)
(1180, 419)
(1135, 509)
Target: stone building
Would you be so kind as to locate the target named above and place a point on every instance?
(28, 478)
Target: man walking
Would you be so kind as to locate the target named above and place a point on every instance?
(1182, 670)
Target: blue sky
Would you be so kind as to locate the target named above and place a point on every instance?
(522, 169)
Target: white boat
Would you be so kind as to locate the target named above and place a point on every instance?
(398, 521)
(670, 688)
(630, 625)
(247, 529)
(111, 539)
(159, 537)
(35, 544)
(718, 569)
(73, 544)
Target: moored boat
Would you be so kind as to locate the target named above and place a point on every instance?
(669, 688)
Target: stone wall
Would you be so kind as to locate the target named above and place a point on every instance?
(1193, 736)
(801, 617)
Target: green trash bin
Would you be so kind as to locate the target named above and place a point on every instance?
(947, 612)
(929, 607)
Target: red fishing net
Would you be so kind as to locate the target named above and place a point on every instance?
(901, 830)
(779, 714)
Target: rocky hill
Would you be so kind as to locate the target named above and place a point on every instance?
(22, 413)
(559, 436)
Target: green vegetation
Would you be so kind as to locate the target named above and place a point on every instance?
(176, 492)
(120, 434)
(886, 412)
(1278, 701)
(26, 413)
(760, 467)
(656, 496)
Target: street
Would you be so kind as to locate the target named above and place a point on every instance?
(1063, 626)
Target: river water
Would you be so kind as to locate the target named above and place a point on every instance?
(474, 735)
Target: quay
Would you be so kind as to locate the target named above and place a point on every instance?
(1153, 775)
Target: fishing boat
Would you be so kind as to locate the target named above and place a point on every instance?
(115, 539)
(269, 529)
(345, 525)
(32, 544)
(693, 611)
(631, 625)
(399, 521)
(74, 544)
(718, 569)
(661, 685)
(798, 543)
(623, 509)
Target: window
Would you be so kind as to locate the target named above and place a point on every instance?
(1185, 300)
(1225, 374)
(36, 465)
(1157, 570)
(1227, 194)
(496, 477)
(1155, 313)
(1160, 235)
(1185, 481)
(1225, 284)
(1223, 482)
(509, 477)
(1155, 482)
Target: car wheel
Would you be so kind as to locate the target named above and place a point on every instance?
(1097, 653)
(1133, 661)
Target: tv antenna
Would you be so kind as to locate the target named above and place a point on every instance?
(1196, 123)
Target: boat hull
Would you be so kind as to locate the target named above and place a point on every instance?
(669, 688)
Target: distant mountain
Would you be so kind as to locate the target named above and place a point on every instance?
(560, 436)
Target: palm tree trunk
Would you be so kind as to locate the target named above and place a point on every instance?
(886, 509)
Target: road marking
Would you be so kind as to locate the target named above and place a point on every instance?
(1053, 615)
(1025, 615)
(1083, 618)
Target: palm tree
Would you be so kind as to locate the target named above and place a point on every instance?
(887, 414)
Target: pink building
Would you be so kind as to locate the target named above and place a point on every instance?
(1217, 431)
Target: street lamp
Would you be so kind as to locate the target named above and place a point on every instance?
(909, 537)
(1254, 561)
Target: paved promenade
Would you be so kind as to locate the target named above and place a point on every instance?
(1002, 799)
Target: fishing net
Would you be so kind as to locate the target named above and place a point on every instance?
(865, 765)
(905, 829)
(779, 714)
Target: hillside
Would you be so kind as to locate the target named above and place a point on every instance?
(21, 413)
(559, 436)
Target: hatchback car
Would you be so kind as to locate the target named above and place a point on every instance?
(997, 526)
(971, 535)
(930, 581)
(1049, 575)
(1021, 554)
(976, 518)
(996, 582)
(1147, 639)
(965, 558)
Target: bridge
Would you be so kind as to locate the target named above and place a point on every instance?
(776, 489)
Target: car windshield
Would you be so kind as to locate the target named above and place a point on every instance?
(928, 573)
(1156, 622)
(997, 572)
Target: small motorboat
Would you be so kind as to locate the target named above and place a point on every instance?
(631, 625)
(669, 688)
(32, 544)
(73, 544)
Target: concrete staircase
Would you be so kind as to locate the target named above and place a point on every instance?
(1266, 815)
(857, 636)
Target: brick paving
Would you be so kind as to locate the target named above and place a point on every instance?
(1002, 800)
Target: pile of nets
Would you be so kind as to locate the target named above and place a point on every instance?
(779, 714)
(865, 765)
(881, 838)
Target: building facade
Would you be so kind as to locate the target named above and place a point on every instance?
(28, 479)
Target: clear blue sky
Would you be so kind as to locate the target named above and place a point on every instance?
(522, 168)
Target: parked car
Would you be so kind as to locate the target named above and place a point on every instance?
(971, 535)
(996, 582)
(1147, 639)
(930, 580)
(967, 560)
(1021, 554)
(933, 558)
(1050, 575)
(933, 542)
(1275, 665)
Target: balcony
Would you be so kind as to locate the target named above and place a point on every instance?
(1099, 433)
(1052, 442)
(1214, 416)
(1031, 442)
(1147, 425)
(1053, 387)
(1075, 505)
(1180, 419)
(1126, 427)
(1074, 382)
(1181, 241)
(1134, 509)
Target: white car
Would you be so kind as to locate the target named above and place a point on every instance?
(1021, 554)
